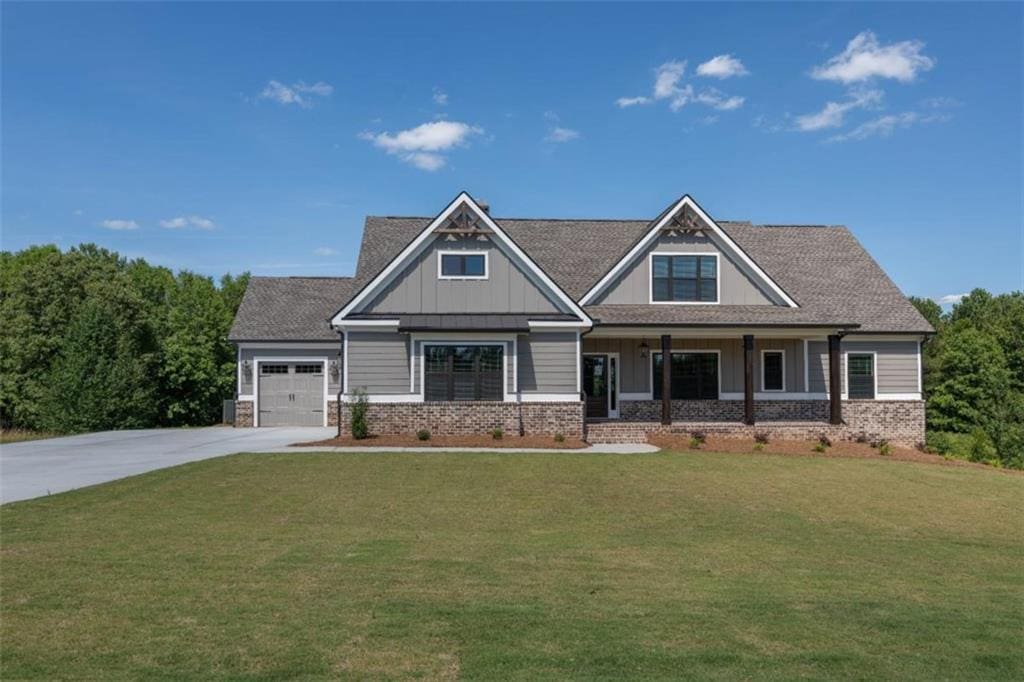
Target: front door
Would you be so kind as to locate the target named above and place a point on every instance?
(596, 385)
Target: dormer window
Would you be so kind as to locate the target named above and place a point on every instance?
(684, 278)
(462, 265)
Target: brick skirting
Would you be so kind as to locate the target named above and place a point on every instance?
(899, 421)
(469, 418)
(243, 413)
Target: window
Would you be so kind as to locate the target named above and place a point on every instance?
(463, 373)
(309, 369)
(860, 375)
(273, 369)
(467, 265)
(694, 376)
(773, 370)
(684, 279)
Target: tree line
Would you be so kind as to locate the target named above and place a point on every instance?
(974, 377)
(90, 340)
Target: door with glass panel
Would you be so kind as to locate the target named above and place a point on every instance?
(600, 385)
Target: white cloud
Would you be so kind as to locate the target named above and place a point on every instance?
(298, 93)
(440, 97)
(118, 224)
(325, 251)
(624, 102)
(419, 146)
(669, 86)
(186, 221)
(883, 126)
(865, 58)
(950, 298)
(719, 100)
(834, 113)
(722, 66)
(559, 134)
(78, 211)
(940, 102)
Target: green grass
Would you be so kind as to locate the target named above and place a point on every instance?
(520, 566)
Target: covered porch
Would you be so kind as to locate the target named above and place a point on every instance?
(716, 377)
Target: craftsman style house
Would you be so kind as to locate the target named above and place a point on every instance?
(609, 329)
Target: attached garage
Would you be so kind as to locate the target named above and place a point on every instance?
(291, 393)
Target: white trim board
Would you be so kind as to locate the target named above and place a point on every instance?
(417, 245)
(652, 235)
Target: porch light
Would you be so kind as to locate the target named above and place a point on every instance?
(645, 350)
(334, 368)
(247, 368)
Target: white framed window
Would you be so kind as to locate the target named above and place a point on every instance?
(268, 368)
(773, 370)
(861, 378)
(684, 278)
(462, 265)
(457, 372)
(317, 368)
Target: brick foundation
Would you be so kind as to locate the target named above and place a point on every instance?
(899, 421)
(243, 413)
(466, 418)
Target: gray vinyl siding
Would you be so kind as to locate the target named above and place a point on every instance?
(634, 285)
(507, 289)
(378, 362)
(547, 362)
(896, 364)
(246, 384)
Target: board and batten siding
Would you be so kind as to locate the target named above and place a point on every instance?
(634, 285)
(897, 364)
(246, 383)
(418, 289)
(547, 362)
(378, 362)
(636, 371)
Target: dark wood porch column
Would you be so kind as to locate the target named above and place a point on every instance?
(835, 388)
(666, 379)
(748, 379)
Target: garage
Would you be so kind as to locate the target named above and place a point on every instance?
(291, 393)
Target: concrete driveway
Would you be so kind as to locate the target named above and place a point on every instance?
(44, 467)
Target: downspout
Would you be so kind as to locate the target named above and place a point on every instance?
(579, 370)
(341, 377)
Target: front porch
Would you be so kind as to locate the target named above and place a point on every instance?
(715, 378)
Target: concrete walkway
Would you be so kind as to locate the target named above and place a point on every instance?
(42, 467)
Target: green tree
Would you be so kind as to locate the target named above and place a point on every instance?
(102, 377)
(972, 379)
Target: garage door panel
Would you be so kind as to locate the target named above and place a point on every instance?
(291, 398)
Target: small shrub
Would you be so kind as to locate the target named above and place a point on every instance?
(360, 406)
(820, 447)
(695, 443)
(824, 440)
(884, 448)
(698, 436)
(758, 447)
(761, 437)
(423, 434)
(497, 434)
(559, 438)
(981, 447)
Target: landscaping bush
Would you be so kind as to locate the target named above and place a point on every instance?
(423, 434)
(761, 437)
(884, 448)
(981, 447)
(758, 447)
(497, 434)
(559, 438)
(820, 447)
(360, 406)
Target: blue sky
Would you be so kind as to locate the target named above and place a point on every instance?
(257, 136)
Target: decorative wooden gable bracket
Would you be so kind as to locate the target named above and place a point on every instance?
(684, 221)
(463, 222)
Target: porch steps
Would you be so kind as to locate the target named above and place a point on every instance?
(620, 432)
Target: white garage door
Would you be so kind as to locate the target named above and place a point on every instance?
(291, 394)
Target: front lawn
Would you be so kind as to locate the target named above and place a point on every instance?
(526, 566)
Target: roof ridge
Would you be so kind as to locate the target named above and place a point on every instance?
(563, 220)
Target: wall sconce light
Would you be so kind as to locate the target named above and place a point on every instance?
(334, 368)
(645, 350)
(247, 368)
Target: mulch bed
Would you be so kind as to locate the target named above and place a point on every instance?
(681, 443)
(481, 441)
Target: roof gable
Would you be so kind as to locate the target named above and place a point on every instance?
(463, 215)
(686, 215)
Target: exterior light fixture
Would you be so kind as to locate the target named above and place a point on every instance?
(247, 367)
(645, 350)
(334, 368)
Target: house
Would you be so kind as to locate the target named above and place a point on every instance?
(464, 322)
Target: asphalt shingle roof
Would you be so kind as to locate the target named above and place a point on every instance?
(290, 308)
(823, 268)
